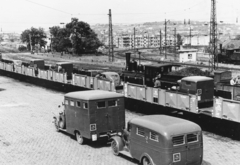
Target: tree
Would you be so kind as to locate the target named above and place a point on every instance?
(82, 37)
(35, 36)
(179, 40)
(60, 40)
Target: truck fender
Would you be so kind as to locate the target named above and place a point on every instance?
(119, 142)
(149, 157)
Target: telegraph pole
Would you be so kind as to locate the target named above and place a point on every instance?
(165, 45)
(213, 36)
(160, 43)
(175, 42)
(110, 40)
(134, 33)
(30, 40)
(190, 36)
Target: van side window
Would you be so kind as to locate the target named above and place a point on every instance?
(85, 105)
(112, 103)
(153, 136)
(72, 103)
(178, 140)
(140, 131)
(66, 102)
(78, 104)
(191, 138)
(188, 83)
(101, 104)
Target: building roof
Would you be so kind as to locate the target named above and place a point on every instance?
(165, 125)
(196, 78)
(187, 50)
(93, 95)
(231, 44)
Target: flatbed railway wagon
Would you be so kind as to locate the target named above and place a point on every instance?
(92, 114)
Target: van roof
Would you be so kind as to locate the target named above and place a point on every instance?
(93, 95)
(165, 125)
(196, 78)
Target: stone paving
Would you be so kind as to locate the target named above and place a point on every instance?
(28, 136)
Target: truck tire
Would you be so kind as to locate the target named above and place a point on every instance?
(115, 147)
(56, 125)
(62, 122)
(80, 139)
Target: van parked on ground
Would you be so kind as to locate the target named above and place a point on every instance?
(160, 140)
(91, 115)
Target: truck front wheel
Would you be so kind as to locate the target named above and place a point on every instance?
(115, 147)
(80, 139)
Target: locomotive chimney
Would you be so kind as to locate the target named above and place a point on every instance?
(128, 56)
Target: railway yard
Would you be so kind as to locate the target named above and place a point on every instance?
(28, 135)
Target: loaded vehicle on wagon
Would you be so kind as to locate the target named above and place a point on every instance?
(160, 140)
(92, 114)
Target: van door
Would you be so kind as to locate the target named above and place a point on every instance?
(179, 149)
(114, 115)
(101, 117)
(194, 148)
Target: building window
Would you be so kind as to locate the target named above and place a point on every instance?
(78, 104)
(112, 103)
(101, 104)
(140, 131)
(85, 105)
(189, 56)
(72, 103)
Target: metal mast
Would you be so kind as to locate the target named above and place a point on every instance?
(213, 36)
(110, 39)
(165, 48)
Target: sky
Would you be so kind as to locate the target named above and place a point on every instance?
(19, 15)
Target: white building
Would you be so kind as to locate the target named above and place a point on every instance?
(186, 55)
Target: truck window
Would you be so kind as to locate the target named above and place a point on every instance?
(191, 138)
(78, 104)
(112, 103)
(101, 104)
(178, 140)
(140, 131)
(66, 102)
(85, 105)
(71, 103)
(153, 136)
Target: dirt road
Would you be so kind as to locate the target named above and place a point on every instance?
(28, 137)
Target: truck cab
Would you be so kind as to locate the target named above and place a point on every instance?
(92, 114)
(161, 140)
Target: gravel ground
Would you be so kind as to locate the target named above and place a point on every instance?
(28, 137)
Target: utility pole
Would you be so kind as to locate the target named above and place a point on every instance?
(165, 45)
(110, 40)
(175, 43)
(30, 41)
(134, 33)
(160, 43)
(190, 36)
(213, 36)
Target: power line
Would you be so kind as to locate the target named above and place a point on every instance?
(48, 7)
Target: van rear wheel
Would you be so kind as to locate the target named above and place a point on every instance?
(115, 147)
(146, 161)
(80, 139)
(56, 125)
